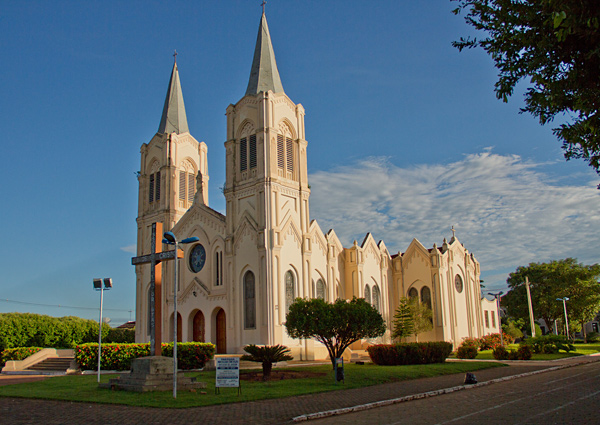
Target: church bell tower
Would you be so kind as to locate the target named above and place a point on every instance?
(173, 168)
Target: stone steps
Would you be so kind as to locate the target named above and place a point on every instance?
(54, 364)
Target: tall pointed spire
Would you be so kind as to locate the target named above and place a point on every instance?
(173, 118)
(264, 75)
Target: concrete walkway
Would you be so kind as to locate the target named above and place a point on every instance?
(25, 411)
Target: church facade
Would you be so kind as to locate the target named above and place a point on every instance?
(237, 282)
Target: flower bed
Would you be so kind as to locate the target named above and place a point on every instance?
(190, 355)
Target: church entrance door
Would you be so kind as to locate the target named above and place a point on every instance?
(198, 327)
(221, 333)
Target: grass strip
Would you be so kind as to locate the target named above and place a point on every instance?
(84, 388)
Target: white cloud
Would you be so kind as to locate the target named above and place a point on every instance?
(129, 248)
(505, 210)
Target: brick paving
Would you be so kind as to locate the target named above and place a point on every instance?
(278, 411)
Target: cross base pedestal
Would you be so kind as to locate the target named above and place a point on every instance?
(153, 373)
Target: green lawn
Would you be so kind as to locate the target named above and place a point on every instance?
(84, 388)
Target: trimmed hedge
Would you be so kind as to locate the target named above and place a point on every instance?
(491, 341)
(35, 330)
(523, 353)
(190, 355)
(549, 344)
(20, 353)
(410, 353)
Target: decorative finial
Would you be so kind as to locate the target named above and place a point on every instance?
(263, 6)
(175, 56)
(453, 232)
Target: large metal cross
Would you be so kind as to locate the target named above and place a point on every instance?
(154, 259)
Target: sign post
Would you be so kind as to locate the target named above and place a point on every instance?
(228, 373)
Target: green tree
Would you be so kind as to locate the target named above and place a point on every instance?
(412, 318)
(335, 325)
(554, 45)
(403, 324)
(267, 355)
(549, 281)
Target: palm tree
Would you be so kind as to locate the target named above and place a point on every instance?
(267, 355)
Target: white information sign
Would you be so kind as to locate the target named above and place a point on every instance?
(228, 372)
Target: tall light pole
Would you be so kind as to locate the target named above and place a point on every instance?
(564, 301)
(98, 287)
(497, 297)
(531, 319)
(171, 239)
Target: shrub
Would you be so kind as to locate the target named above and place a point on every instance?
(410, 353)
(190, 355)
(491, 341)
(19, 353)
(120, 336)
(549, 344)
(524, 352)
(466, 352)
(500, 353)
(35, 330)
(593, 337)
(267, 355)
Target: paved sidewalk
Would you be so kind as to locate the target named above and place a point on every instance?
(27, 411)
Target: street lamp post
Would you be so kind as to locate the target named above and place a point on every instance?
(497, 297)
(171, 239)
(564, 301)
(98, 287)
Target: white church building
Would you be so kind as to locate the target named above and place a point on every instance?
(237, 282)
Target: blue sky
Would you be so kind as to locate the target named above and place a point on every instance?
(394, 116)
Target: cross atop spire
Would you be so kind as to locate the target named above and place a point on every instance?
(175, 56)
(453, 232)
(264, 75)
(263, 6)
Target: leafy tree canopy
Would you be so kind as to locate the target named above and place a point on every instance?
(336, 325)
(556, 45)
(549, 281)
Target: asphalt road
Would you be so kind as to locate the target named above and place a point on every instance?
(566, 396)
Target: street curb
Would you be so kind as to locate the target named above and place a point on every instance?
(375, 404)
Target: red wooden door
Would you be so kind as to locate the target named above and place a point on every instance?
(199, 327)
(221, 333)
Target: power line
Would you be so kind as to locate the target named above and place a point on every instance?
(61, 306)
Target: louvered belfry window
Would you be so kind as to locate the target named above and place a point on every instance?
(290, 154)
(191, 187)
(243, 155)
(182, 185)
(151, 192)
(157, 185)
(253, 151)
(280, 152)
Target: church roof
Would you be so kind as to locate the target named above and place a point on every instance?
(173, 118)
(264, 75)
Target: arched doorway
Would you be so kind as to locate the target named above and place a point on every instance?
(221, 332)
(198, 327)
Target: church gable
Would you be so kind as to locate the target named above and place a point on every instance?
(416, 253)
(291, 230)
(317, 238)
(247, 228)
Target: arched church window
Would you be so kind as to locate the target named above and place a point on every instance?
(376, 297)
(367, 294)
(458, 283)
(426, 296)
(413, 293)
(243, 154)
(289, 148)
(249, 301)
(320, 289)
(290, 290)
(218, 268)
